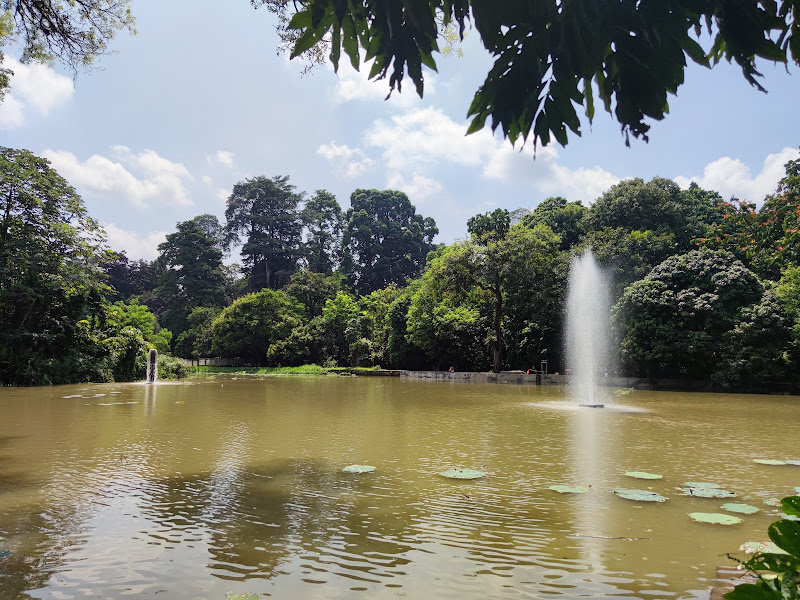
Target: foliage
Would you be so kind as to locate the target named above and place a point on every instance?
(265, 211)
(323, 219)
(778, 573)
(489, 227)
(127, 278)
(127, 351)
(552, 57)
(197, 340)
(702, 314)
(261, 328)
(563, 217)
(171, 367)
(51, 286)
(312, 290)
(73, 32)
(137, 315)
(385, 240)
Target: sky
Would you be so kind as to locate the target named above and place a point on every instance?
(199, 99)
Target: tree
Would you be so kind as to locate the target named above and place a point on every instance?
(323, 220)
(385, 240)
(51, 286)
(563, 217)
(127, 277)
(265, 211)
(135, 315)
(680, 320)
(552, 57)
(73, 32)
(312, 290)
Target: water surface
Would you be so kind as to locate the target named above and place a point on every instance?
(216, 486)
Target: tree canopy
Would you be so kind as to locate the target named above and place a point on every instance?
(552, 57)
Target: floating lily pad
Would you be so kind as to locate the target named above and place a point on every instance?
(762, 547)
(699, 492)
(786, 517)
(358, 469)
(797, 489)
(462, 474)
(643, 475)
(242, 596)
(796, 463)
(744, 509)
(768, 461)
(702, 484)
(715, 518)
(4, 553)
(771, 501)
(640, 495)
(566, 489)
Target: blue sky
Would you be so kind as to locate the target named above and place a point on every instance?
(199, 100)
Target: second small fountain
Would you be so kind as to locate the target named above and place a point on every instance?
(589, 341)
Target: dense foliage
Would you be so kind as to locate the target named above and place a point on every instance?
(704, 289)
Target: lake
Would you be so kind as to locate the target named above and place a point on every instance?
(227, 485)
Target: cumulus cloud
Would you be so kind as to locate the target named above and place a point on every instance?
(221, 157)
(136, 178)
(136, 246)
(350, 161)
(731, 177)
(356, 86)
(417, 189)
(34, 87)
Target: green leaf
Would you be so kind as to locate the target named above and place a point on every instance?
(749, 591)
(350, 41)
(358, 469)
(791, 505)
(301, 20)
(786, 535)
(640, 495)
(775, 562)
(715, 518)
(643, 475)
(462, 474)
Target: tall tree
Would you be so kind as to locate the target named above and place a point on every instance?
(264, 211)
(563, 217)
(552, 57)
(51, 286)
(385, 240)
(323, 220)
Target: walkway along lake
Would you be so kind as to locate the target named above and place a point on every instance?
(226, 485)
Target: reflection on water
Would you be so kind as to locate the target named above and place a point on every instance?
(218, 486)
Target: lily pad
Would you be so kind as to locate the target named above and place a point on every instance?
(358, 469)
(566, 489)
(463, 474)
(744, 509)
(640, 495)
(242, 596)
(715, 518)
(698, 492)
(786, 517)
(797, 489)
(762, 547)
(768, 461)
(702, 484)
(796, 463)
(771, 501)
(643, 475)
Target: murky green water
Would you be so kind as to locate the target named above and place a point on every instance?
(199, 489)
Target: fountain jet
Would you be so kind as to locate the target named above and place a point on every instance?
(152, 366)
(588, 331)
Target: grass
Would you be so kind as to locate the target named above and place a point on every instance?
(302, 370)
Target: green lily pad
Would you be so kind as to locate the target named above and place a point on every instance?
(797, 489)
(771, 501)
(762, 547)
(358, 469)
(640, 495)
(566, 489)
(698, 492)
(768, 461)
(715, 518)
(463, 474)
(744, 509)
(242, 596)
(786, 517)
(796, 463)
(643, 475)
(702, 484)
(4, 553)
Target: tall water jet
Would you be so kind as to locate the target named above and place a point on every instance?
(152, 366)
(588, 331)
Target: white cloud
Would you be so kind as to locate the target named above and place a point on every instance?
(356, 86)
(418, 189)
(207, 180)
(223, 194)
(221, 157)
(33, 86)
(350, 161)
(154, 178)
(135, 245)
(731, 177)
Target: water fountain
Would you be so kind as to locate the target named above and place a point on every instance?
(152, 366)
(588, 333)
